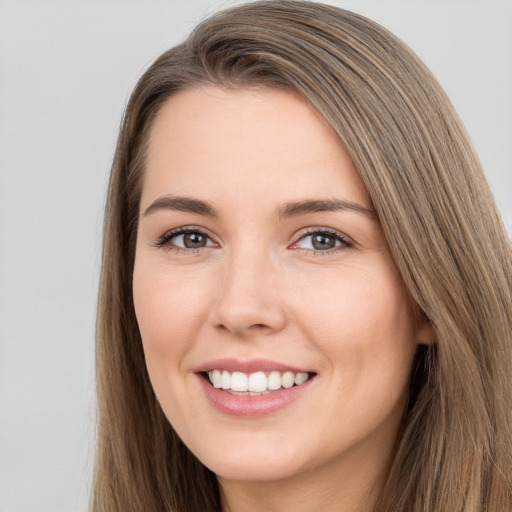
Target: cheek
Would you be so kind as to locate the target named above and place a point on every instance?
(360, 318)
(169, 308)
(364, 327)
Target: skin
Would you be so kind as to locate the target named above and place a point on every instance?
(259, 289)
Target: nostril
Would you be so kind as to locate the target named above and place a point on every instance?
(243, 331)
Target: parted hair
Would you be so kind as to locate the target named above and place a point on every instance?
(454, 449)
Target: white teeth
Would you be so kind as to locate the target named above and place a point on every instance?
(216, 379)
(274, 381)
(288, 380)
(225, 380)
(257, 382)
(238, 381)
(300, 378)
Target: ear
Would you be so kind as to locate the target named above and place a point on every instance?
(425, 333)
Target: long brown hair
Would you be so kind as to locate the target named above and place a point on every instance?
(454, 451)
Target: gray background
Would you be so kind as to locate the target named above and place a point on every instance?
(66, 69)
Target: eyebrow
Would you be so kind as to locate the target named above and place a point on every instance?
(294, 209)
(182, 204)
(291, 209)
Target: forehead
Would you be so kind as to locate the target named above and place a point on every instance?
(248, 140)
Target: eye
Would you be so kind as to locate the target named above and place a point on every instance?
(322, 240)
(185, 238)
(192, 240)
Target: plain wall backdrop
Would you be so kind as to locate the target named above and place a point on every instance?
(66, 70)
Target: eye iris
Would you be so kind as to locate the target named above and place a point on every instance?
(194, 240)
(323, 242)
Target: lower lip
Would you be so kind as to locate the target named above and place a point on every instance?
(252, 406)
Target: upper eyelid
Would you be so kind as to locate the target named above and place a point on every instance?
(319, 229)
(186, 229)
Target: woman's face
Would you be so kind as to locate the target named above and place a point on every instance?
(261, 265)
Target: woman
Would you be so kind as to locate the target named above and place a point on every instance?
(305, 300)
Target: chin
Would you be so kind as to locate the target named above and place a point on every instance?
(251, 471)
(257, 463)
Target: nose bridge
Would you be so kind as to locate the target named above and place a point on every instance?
(248, 297)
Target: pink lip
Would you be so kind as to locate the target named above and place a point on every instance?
(250, 366)
(250, 406)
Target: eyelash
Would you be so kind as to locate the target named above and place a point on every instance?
(165, 240)
(344, 241)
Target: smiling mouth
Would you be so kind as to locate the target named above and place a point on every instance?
(257, 383)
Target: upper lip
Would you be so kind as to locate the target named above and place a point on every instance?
(248, 366)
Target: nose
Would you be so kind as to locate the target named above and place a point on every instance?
(249, 298)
